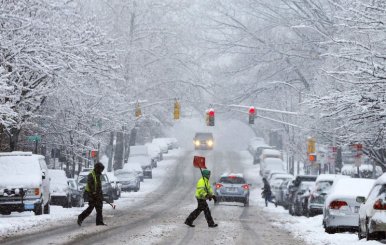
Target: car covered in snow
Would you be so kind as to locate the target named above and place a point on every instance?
(282, 193)
(258, 150)
(24, 183)
(76, 193)
(203, 141)
(271, 165)
(154, 152)
(372, 212)
(162, 143)
(298, 205)
(292, 191)
(143, 151)
(319, 193)
(146, 165)
(232, 187)
(115, 184)
(129, 180)
(136, 168)
(340, 211)
(60, 191)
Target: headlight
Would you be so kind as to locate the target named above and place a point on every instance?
(197, 143)
(33, 192)
(209, 142)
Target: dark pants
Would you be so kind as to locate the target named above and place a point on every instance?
(268, 198)
(96, 203)
(202, 206)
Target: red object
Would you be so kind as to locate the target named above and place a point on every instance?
(94, 153)
(378, 205)
(199, 162)
(246, 187)
(252, 110)
(337, 204)
(218, 186)
(312, 158)
(211, 113)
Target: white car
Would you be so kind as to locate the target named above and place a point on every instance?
(142, 151)
(271, 165)
(341, 208)
(134, 167)
(372, 212)
(60, 191)
(162, 143)
(24, 183)
(154, 151)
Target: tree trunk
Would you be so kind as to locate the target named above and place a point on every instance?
(14, 139)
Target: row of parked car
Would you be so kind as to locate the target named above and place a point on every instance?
(26, 184)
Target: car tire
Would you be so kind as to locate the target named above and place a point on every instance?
(291, 209)
(47, 208)
(5, 213)
(369, 236)
(38, 209)
(330, 230)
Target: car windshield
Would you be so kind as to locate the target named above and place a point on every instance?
(306, 185)
(232, 180)
(204, 136)
(324, 186)
(82, 179)
(72, 184)
(125, 176)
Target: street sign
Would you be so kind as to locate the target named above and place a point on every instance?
(34, 138)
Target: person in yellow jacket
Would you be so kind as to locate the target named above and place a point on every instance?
(203, 191)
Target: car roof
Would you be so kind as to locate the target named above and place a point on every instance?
(330, 177)
(271, 151)
(240, 175)
(381, 180)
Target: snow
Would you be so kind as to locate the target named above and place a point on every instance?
(350, 188)
(20, 171)
(329, 177)
(27, 221)
(381, 179)
(138, 150)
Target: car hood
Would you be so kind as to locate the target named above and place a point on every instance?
(15, 181)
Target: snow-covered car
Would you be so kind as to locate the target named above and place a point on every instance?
(115, 184)
(299, 199)
(145, 162)
(340, 211)
(270, 153)
(232, 188)
(372, 212)
(134, 167)
(279, 175)
(271, 165)
(203, 141)
(254, 143)
(162, 143)
(60, 191)
(24, 183)
(77, 192)
(281, 195)
(318, 195)
(129, 180)
(154, 152)
(143, 150)
(258, 150)
(292, 189)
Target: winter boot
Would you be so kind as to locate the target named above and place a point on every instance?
(189, 224)
(212, 225)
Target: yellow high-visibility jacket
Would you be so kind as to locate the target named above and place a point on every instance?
(203, 189)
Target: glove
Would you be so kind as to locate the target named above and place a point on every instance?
(214, 198)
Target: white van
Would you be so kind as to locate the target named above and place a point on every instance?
(270, 153)
(271, 165)
(24, 183)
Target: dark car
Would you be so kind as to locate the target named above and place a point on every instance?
(107, 189)
(203, 141)
(293, 191)
(147, 172)
(129, 180)
(298, 206)
(76, 193)
(232, 188)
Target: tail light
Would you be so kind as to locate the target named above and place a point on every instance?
(37, 191)
(379, 205)
(218, 186)
(337, 204)
(246, 187)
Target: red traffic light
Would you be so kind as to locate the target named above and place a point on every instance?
(211, 113)
(312, 158)
(252, 110)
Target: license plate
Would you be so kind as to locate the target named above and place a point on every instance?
(29, 206)
(231, 189)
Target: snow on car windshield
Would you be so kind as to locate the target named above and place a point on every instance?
(17, 169)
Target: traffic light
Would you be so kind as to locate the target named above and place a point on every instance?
(312, 157)
(211, 117)
(177, 108)
(138, 111)
(252, 114)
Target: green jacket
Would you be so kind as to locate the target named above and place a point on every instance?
(94, 184)
(203, 189)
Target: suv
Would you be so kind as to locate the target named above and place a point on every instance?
(60, 191)
(24, 183)
(203, 141)
(232, 188)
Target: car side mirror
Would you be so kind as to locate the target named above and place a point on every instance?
(361, 199)
(43, 177)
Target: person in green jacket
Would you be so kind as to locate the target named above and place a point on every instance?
(203, 191)
(95, 195)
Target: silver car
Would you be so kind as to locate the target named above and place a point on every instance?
(341, 208)
(232, 188)
(372, 223)
(129, 180)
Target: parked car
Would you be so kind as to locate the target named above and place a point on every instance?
(136, 168)
(162, 143)
(282, 194)
(298, 205)
(271, 165)
(232, 188)
(258, 150)
(279, 175)
(155, 152)
(76, 193)
(340, 212)
(254, 143)
(107, 188)
(372, 212)
(115, 184)
(203, 141)
(24, 183)
(318, 195)
(129, 180)
(60, 191)
(292, 190)
(142, 151)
